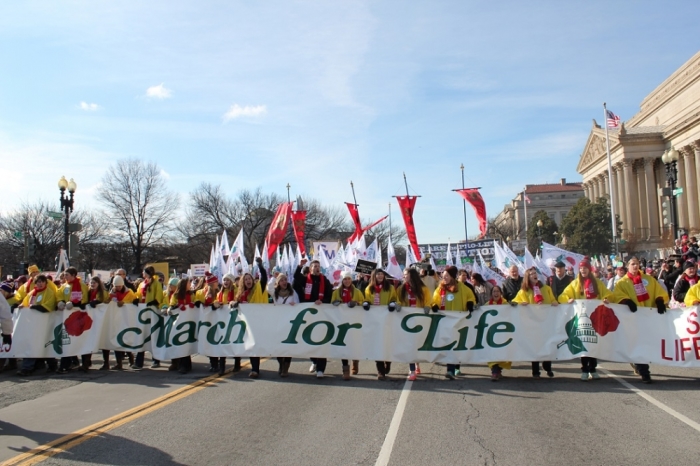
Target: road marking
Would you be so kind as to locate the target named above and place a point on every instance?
(388, 446)
(653, 400)
(60, 445)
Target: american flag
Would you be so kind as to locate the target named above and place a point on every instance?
(527, 199)
(612, 119)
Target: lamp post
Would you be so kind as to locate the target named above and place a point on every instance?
(670, 159)
(539, 232)
(66, 206)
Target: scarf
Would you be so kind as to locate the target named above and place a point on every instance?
(186, 302)
(499, 301)
(409, 294)
(119, 295)
(309, 286)
(76, 295)
(639, 289)
(32, 295)
(144, 289)
(692, 281)
(208, 298)
(588, 289)
(244, 296)
(229, 297)
(537, 293)
(444, 289)
(93, 296)
(346, 294)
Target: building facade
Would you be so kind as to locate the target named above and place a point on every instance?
(669, 117)
(556, 199)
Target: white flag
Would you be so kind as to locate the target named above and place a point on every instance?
(432, 261)
(225, 249)
(392, 266)
(504, 261)
(238, 250)
(370, 253)
(410, 256)
(448, 256)
(212, 257)
(458, 259)
(552, 254)
(530, 263)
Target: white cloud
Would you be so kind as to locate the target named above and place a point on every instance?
(88, 107)
(159, 92)
(236, 111)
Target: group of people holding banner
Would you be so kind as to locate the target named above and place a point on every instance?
(456, 291)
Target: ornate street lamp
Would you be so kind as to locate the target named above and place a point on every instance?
(66, 206)
(539, 231)
(670, 160)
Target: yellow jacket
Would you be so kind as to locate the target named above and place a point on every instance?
(572, 292)
(456, 301)
(624, 289)
(256, 295)
(529, 297)
(357, 295)
(128, 297)
(65, 292)
(46, 298)
(154, 292)
(427, 297)
(25, 289)
(385, 296)
(223, 295)
(693, 295)
(101, 297)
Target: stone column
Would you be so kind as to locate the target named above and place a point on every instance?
(643, 199)
(681, 203)
(696, 150)
(632, 204)
(585, 190)
(596, 189)
(652, 199)
(690, 192)
(621, 208)
(606, 185)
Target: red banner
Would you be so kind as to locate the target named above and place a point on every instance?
(278, 227)
(355, 215)
(473, 197)
(299, 225)
(406, 206)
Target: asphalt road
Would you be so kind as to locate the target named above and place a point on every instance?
(468, 421)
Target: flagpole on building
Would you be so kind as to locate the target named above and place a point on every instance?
(525, 205)
(464, 208)
(610, 179)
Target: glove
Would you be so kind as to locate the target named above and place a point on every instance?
(435, 308)
(336, 302)
(7, 339)
(39, 307)
(352, 304)
(365, 305)
(69, 306)
(153, 303)
(61, 305)
(164, 312)
(513, 303)
(630, 304)
(660, 306)
(392, 306)
(426, 310)
(198, 304)
(216, 304)
(94, 303)
(470, 306)
(258, 260)
(398, 307)
(135, 302)
(235, 305)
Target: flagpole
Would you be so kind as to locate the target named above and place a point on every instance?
(289, 199)
(610, 179)
(390, 222)
(353, 194)
(464, 208)
(525, 204)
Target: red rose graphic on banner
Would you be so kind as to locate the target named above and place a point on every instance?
(77, 323)
(604, 320)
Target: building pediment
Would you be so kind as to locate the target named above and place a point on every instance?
(595, 148)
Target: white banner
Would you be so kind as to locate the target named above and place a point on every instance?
(492, 333)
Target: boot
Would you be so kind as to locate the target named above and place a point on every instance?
(214, 364)
(285, 368)
(346, 372)
(174, 365)
(355, 366)
(387, 368)
(105, 358)
(131, 358)
(236, 364)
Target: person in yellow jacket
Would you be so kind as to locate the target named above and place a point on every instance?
(452, 295)
(41, 298)
(120, 294)
(586, 286)
(533, 291)
(639, 289)
(413, 293)
(28, 286)
(150, 293)
(97, 294)
(252, 292)
(73, 294)
(168, 292)
(347, 294)
(380, 292)
(692, 297)
(184, 300)
(208, 297)
(497, 367)
(227, 294)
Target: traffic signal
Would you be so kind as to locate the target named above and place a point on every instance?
(666, 213)
(31, 249)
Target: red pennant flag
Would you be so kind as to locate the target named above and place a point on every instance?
(406, 206)
(299, 225)
(355, 215)
(473, 197)
(278, 227)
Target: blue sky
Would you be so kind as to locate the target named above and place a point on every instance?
(316, 94)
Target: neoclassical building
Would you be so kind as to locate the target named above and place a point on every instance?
(669, 118)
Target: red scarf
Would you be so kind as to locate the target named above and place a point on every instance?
(144, 289)
(220, 296)
(119, 295)
(309, 286)
(244, 296)
(76, 295)
(443, 289)
(34, 292)
(184, 303)
(410, 295)
(692, 281)
(208, 299)
(537, 293)
(588, 289)
(500, 301)
(639, 289)
(93, 295)
(346, 294)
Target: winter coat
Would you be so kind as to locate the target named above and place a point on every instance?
(572, 291)
(625, 290)
(456, 301)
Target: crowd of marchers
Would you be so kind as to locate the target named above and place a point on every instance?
(635, 284)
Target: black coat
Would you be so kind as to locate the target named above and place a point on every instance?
(299, 286)
(558, 285)
(512, 287)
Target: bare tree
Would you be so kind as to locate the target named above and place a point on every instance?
(139, 206)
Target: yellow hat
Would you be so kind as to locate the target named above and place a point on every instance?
(33, 269)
